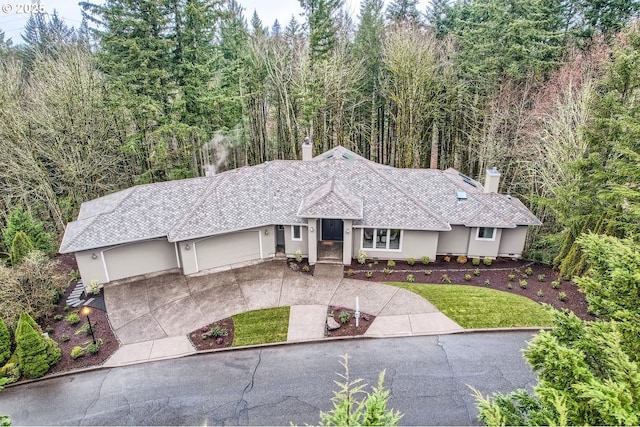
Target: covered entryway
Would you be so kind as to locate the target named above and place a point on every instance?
(332, 229)
(227, 249)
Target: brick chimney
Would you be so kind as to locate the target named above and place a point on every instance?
(307, 150)
(492, 181)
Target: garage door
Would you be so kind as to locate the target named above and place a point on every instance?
(140, 258)
(228, 249)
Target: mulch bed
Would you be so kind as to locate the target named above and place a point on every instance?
(349, 329)
(202, 343)
(302, 266)
(497, 274)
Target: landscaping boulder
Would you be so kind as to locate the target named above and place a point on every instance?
(332, 324)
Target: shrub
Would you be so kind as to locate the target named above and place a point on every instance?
(93, 348)
(362, 257)
(467, 277)
(350, 272)
(73, 318)
(523, 284)
(21, 220)
(487, 282)
(411, 261)
(20, 248)
(306, 268)
(562, 296)
(425, 260)
(216, 331)
(10, 372)
(65, 338)
(391, 263)
(5, 342)
(511, 277)
(94, 287)
(476, 272)
(445, 278)
(475, 261)
(461, 259)
(447, 258)
(298, 255)
(387, 270)
(529, 271)
(369, 274)
(509, 286)
(49, 329)
(344, 316)
(410, 278)
(555, 284)
(427, 272)
(540, 293)
(36, 354)
(77, 352)
(58, 317)
(84, 329)
(541, 277)
(486, 261)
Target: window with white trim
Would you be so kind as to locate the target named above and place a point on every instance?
(296, 232)
(486, 233)
(381, 238)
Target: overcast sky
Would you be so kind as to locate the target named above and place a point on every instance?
(12, 23)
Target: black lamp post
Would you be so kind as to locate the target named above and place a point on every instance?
(86, 311)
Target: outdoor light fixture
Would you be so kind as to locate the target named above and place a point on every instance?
(311, 229)
(266, 232)
(187, 247)
(85, 311)
(94, 256)
(348, 230)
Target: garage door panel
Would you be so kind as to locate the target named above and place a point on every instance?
(229, 249)
(140, 258)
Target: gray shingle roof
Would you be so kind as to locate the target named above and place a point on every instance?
(286, 192)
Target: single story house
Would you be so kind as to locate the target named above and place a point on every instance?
(336, 200)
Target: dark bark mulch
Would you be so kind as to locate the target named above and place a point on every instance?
(209, 343)
(349, 329)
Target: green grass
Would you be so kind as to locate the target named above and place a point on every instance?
(475, 307)
(261, 326)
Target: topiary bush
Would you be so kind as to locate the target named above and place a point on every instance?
(475, 261)
(5, 342)
(425, 260)
(411, 261)
(461, 259)
(486, 261)
(36, 354)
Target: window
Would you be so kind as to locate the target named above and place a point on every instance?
(381, 238)
(296, 234)
(485, 233)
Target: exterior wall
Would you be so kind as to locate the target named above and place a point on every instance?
(346, 242)
(134, 259)
(454, 242)
(413, 244)
(227, 249)
(291, 246)
(512, 242)
(312, 236)
(483, 248)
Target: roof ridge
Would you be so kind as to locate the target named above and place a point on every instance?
(409, 196)
(215, 182)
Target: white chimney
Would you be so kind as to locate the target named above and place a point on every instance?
(307, 150)
(492, 181)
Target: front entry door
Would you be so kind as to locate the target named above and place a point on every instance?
(332, 229)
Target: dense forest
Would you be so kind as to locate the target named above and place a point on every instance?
(146, 91)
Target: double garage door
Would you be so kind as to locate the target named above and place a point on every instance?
(228, 249)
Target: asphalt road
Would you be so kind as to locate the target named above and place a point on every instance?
(428, 377)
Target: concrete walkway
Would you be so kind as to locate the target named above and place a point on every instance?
(152, 317)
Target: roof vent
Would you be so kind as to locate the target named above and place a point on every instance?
(462, 195)
(467, 179)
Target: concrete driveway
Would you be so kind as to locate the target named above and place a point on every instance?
(172, 305)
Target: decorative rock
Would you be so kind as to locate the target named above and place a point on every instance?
(332, 324)
(88, 301)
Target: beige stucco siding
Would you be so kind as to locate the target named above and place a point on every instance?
(137, 258)
(89, 268)
(483, 248)
(454, 242)
(291, 246)
(512, 242)
(413, 244)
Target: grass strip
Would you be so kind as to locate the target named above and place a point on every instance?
(474, 307)
(261, 326)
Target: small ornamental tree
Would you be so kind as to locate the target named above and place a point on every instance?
(21, 220)
(36, 353)
(349, 410)
(5, 342)
(20, 247)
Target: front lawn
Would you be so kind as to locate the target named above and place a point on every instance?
(261, 326)
(475, 307)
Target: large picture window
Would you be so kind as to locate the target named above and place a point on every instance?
(296, 233)
(486, 233)
(381, 238)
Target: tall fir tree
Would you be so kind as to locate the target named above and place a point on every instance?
(400, 11)
(36, 354)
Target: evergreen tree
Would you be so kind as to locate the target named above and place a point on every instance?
(439, 17)
(605, 17)
(20, 248)
(36, 353)
(321, 17)
(5, 342)
(21, 220)
(403, 11)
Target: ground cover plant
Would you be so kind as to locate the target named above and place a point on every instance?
(474, 307)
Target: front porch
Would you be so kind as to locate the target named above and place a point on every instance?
(330, 250)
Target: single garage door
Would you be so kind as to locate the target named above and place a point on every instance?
(140, 258)
(227, 249)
